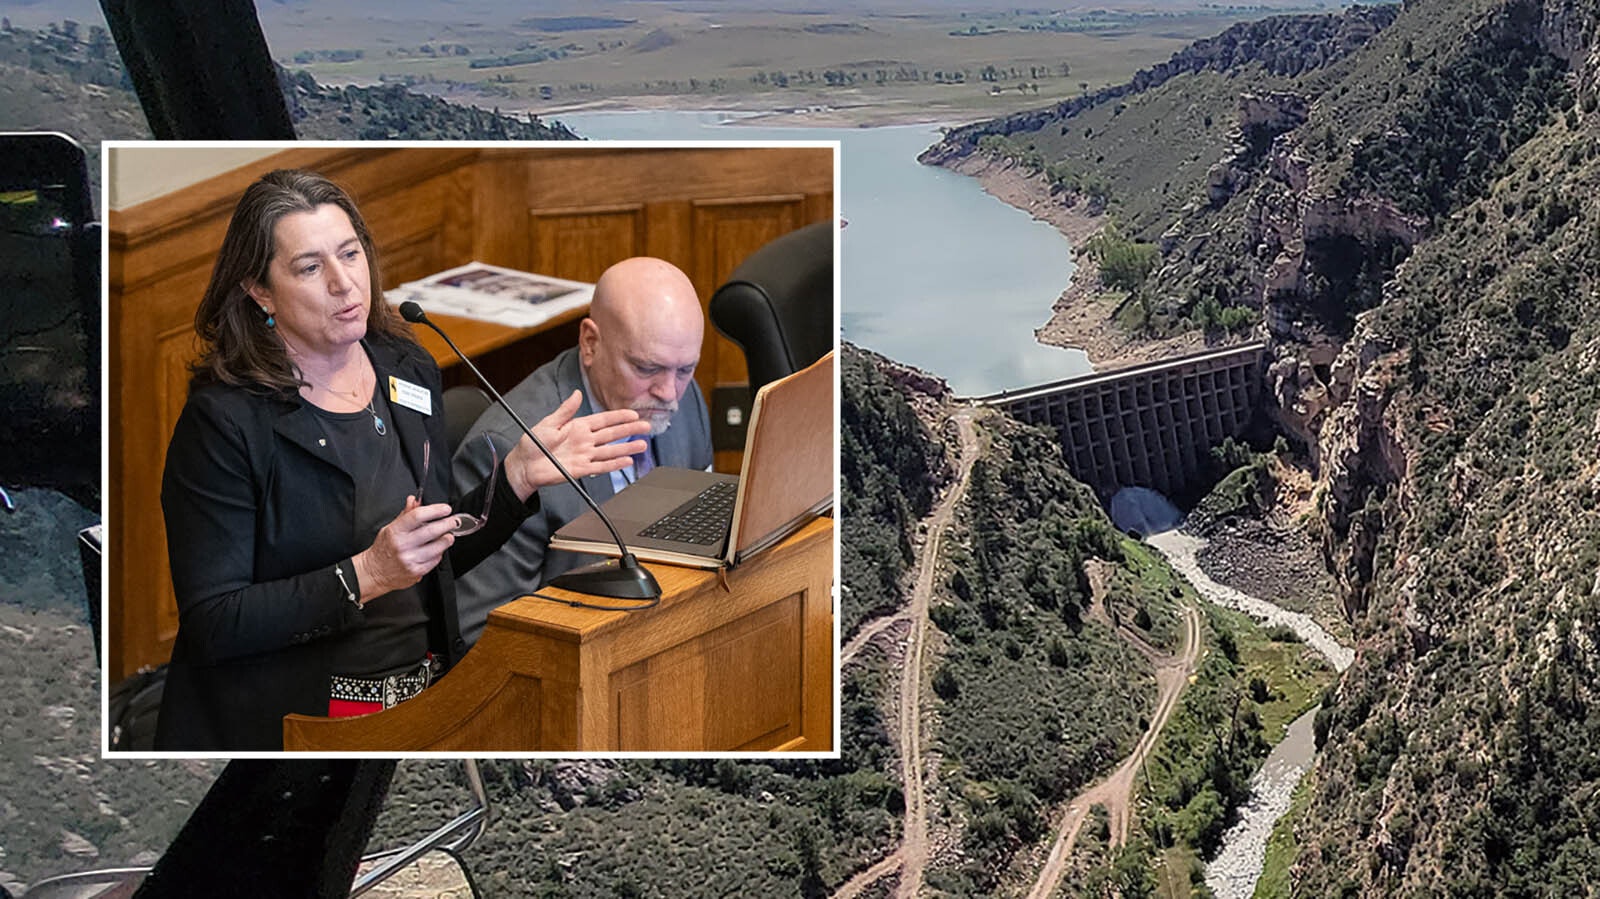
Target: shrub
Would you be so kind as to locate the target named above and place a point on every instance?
(1124, 263)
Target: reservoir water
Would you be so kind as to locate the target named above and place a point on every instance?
(934, 271)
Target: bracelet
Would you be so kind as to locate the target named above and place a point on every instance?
(348, 593)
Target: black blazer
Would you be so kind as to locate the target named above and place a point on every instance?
(258, 512)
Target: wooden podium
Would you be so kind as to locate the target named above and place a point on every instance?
(737, 667)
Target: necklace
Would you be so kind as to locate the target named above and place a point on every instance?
(371, 407)
(377, 420)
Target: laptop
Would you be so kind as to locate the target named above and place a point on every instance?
(702, 519)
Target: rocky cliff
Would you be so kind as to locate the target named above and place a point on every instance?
(1460, 461)
(1287, 45)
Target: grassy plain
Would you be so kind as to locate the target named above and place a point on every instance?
(875, 64)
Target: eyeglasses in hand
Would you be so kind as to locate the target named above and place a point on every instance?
(466, 522)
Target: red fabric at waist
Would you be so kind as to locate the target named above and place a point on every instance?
(345, 708)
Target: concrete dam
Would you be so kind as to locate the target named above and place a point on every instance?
(1150, 425)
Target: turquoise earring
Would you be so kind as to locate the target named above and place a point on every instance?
(271, 322)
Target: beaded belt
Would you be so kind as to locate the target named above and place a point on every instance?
(387, 691)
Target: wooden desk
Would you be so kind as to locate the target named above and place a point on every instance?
(746, 667)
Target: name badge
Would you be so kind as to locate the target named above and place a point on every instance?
(410, 395)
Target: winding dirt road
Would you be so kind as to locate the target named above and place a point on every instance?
(1116, 791)
(912, 855)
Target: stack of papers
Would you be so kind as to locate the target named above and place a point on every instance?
(490, 293)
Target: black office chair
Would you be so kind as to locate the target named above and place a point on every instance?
(462, 406)
(778, 304)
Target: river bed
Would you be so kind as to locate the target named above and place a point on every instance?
(1239, 861)
(1233, 873)
(1181, 551)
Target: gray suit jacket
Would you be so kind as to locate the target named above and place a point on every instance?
(526, 562)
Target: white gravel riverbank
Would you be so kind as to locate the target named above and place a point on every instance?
(1237, 867)
(1181, 550)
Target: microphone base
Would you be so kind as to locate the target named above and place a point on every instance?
(615, 578)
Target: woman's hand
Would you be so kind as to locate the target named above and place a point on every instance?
(405, 549)
(584, 445)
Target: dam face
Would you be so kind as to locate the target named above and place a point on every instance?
(1150, 425)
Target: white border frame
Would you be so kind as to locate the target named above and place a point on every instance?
(108, 150)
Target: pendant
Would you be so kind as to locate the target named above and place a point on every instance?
(377, 425)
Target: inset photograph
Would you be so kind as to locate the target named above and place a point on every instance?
(472, 449)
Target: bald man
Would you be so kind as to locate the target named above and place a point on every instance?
(637, 350)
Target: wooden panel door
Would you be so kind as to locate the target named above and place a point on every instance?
(579, 243)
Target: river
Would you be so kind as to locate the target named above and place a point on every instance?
(1181, 550)
(1243, 852)
(934, 271)
(1233, 873)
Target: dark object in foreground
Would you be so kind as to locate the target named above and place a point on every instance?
(274, 828)
(201, 68)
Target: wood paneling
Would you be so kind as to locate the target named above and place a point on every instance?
(727, 231)
(582, 243)
(750, 670)
(565, 210)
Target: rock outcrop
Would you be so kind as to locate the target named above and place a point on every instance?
(1418, 229)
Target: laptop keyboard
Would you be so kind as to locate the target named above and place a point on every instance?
(702, 520)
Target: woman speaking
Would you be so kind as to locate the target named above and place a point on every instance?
(306, 492)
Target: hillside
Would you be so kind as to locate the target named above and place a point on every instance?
(392, 112)
(68, 81)
(63, 808)
(1052, 628)
(891, 467)
(1412, 224)
(69, 78)
(1038, 696)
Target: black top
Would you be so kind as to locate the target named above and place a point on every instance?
(259, 512)
(394, 635)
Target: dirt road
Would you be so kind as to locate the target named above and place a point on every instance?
(868, 632)
(912, 855)
(1116, 791)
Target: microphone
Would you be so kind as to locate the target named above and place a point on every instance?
(622, 578)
